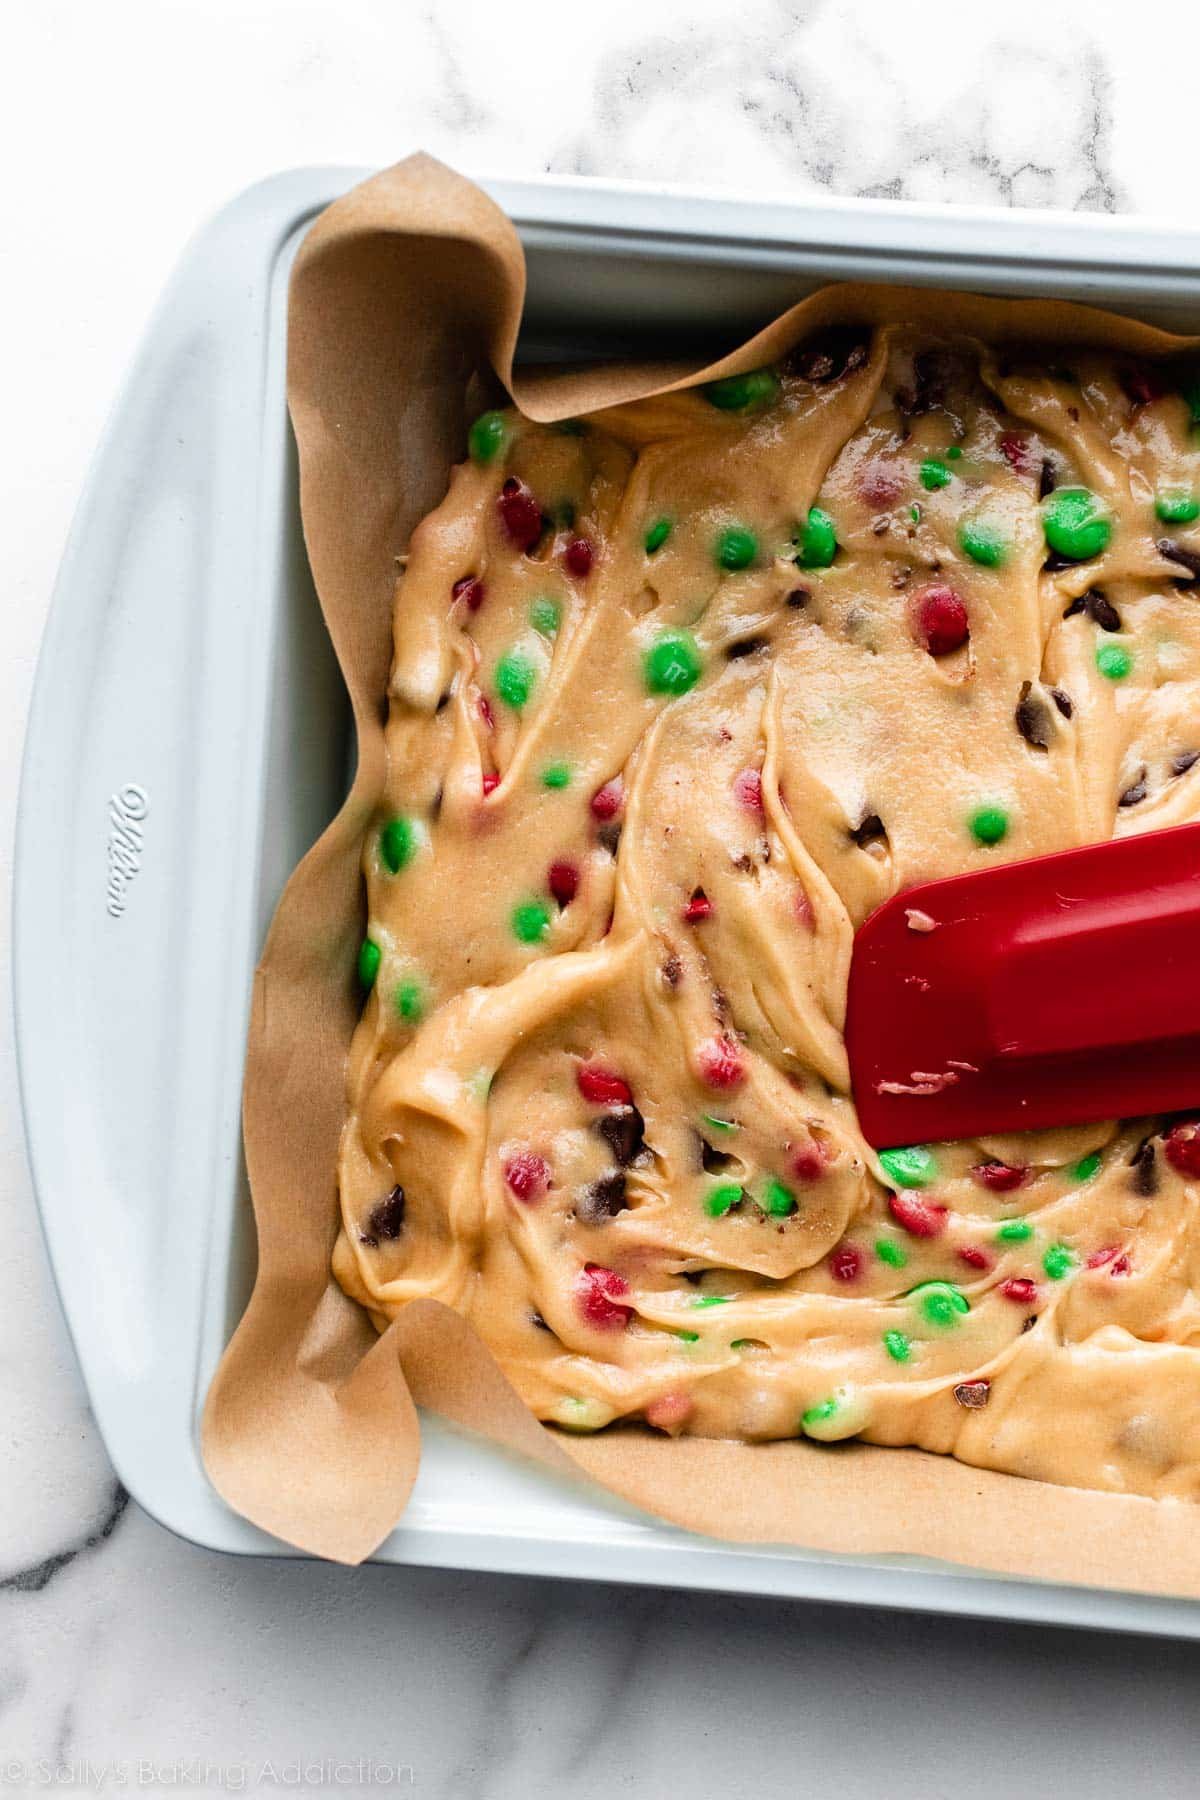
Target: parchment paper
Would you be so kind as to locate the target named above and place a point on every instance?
(404, 294)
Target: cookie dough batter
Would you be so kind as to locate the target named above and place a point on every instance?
(681, 692)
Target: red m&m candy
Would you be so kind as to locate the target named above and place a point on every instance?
(1181, 1147)
(939, 620)
(1000, 1177)
(602, 1087)
(563, 882)
(921, 1217)
(845, 1263)
(607, 801)
(527, 1175)
(578, 557)
(720, 1063)
(470, 589)
(599, 1292)
(520, 514)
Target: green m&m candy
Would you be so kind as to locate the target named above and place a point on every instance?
(934, 474)
(487, 437)
(839, 1415)
(718, 1200)
(778, 1202)
(912, 1167)
(940, 1303)
(890, 1252)
(369, 958)
(556, 775)
(1113, 661)
(1058, 1261)
(821, 1413)
(672, 664)
(983, 542)
(989, 825)
(409, 1000)
(545, 614)
(515, 676)
(1176, 506)
(397, 844)
(1076, 523)
(898, 1345)
(656, 535)
(736, 548)
(816, 540)
(1087, 1166)
(530, 921)
(1014, 1231)
(743, 393)
(581, 1415)
(719, 1124)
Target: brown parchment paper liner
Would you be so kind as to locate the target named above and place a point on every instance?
(401, 293)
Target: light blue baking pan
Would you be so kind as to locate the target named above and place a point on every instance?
(189, 739)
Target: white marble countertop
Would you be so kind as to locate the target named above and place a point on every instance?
(129, 1658)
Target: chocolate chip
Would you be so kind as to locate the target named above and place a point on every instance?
(622, 1131)
(1033, 718)
(798, 598)
(1098, 607)
(869, 830)
(1102, 610)
(1056, 562)
(901, 575)
(672, 971)
(1063, 701)
(1047, 480)
(934, 373)
(1029, 1323)
(386, 1219)
(880, 525)
(1144, 1163)
(750, 646)
(603, 1199)
(815, 365)
(829, 356)
(609, 836)
(1187, 759)
(973, 1394)
(1135, 793)
(1187, 559)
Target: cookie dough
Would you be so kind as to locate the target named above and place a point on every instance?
(681, 692)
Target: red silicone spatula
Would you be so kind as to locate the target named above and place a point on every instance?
(1040, 993)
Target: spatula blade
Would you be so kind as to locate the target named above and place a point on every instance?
(1034, 994)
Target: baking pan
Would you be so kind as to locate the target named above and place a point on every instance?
(188, 740)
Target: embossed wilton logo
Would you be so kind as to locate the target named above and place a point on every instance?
(127, 811)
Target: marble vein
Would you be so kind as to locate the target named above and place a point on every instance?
(40, 1574)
